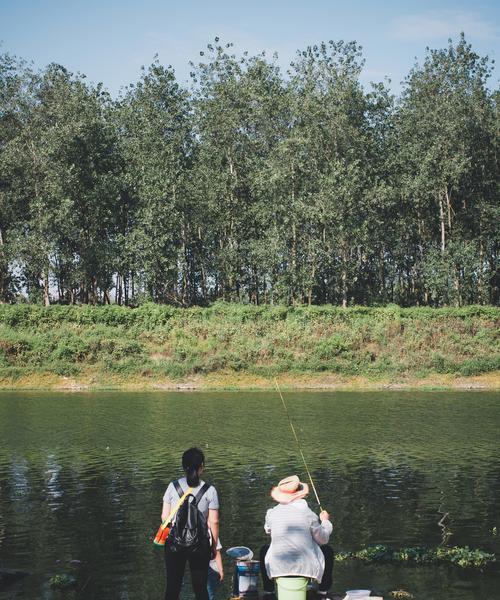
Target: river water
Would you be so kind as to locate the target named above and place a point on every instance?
(82, 477)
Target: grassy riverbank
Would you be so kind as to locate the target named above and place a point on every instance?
(235, 346)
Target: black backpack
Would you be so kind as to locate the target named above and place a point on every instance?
(189, 532)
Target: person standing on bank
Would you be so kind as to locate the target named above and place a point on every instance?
(206, 501)
(298, 539)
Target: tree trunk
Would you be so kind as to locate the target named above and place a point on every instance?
(442, 225)
(203, 283)
(456, 285)
(343, 278)
(449, 208)
(381, 274)
(256, 285)
(125, 290)
(118, 297)
(46, 291)
(480, 279)
(184, 267)
(313, 275)
(294, 263)
(93, 291)
(3, 271)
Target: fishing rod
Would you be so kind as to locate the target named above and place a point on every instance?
(298, 443)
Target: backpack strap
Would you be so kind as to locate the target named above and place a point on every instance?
(174, 510)
(178, 488)
(204, 488)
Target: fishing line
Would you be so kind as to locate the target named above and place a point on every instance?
(298, 443)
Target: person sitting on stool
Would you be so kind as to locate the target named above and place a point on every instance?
(298, 539)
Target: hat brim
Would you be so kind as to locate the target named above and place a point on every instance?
(286, 497)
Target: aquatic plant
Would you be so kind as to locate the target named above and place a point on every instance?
(464, 557)
(372, 553)
(62, 581)
(417, 554)
(400, 595)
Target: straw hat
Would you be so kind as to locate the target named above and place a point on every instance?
(289, 489)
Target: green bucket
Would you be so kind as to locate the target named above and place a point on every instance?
(292, 588)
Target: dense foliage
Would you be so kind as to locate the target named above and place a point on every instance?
(252, 185)
(153, 342)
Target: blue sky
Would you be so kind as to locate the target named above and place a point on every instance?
(109, 40)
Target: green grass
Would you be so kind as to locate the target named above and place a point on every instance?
(160, 341)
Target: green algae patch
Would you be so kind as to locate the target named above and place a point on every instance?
(463, 557)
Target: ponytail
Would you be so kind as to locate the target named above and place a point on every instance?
(192, 460)
(192, 477)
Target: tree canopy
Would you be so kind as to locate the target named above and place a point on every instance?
(251, 184)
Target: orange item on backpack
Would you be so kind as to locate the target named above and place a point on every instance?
(162, 533)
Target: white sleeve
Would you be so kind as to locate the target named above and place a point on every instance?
(321, 531)
(213, 498)
(168, 495)
(267, 524)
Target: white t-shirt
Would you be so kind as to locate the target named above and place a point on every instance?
(208, 500)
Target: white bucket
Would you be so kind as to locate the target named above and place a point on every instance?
(357, 595)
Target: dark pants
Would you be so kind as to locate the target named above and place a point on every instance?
(175, 565)
(326, 581)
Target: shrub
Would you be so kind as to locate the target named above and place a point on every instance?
(476, 366)
(65, 369)
(440, 364)
(332, 346)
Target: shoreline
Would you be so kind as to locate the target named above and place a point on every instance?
(244, 382)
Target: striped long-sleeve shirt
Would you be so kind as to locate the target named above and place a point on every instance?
(296, 534)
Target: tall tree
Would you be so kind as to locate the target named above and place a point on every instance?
(238, 116)
(64, 152)
(156, 144)
(445, 146)
(14, 75)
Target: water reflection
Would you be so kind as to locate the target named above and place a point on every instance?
(90, 470)
(19, 481)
